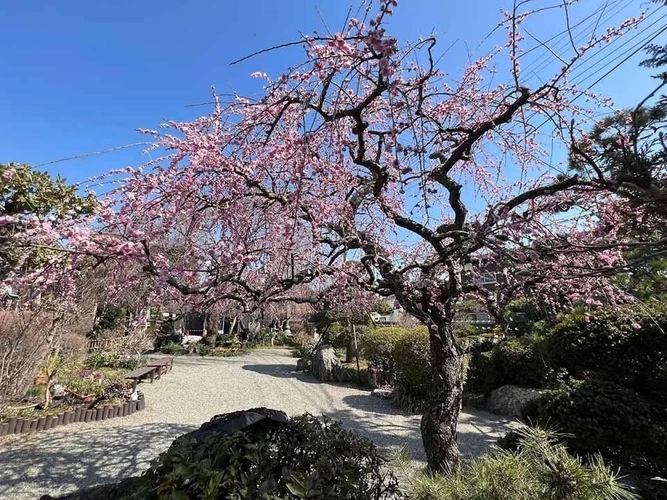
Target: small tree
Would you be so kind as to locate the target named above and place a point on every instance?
(31, 200)
(626, 154)
(24, 344)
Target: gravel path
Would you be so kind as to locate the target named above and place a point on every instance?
(71, 457)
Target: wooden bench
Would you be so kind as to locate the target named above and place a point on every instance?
(164, 364)
(141, 373)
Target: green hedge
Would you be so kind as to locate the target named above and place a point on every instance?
(627, 346)
(604, 416)
(412, 358)
(516, 361)
(378, 348)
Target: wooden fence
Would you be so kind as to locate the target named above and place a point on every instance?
(101, 344)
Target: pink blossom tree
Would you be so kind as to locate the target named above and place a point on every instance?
(364, 168)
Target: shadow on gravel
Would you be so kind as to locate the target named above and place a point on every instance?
(477, 430)
(386, 432)
(281, 371)
(62, 462)
(370, 403)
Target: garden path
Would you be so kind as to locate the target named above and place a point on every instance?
(79, 455)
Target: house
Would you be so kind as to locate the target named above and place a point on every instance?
(392, 318)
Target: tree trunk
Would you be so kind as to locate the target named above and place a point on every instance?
(212, 326)
(439, 421)
(350, 351)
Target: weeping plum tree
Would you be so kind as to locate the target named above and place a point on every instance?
(368, 166)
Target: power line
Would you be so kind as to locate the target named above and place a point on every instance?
(565, 42)
(639, 46)
(635, 50)
(95, 153)
(601, 60)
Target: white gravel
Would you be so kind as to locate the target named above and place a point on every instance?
(71, 457)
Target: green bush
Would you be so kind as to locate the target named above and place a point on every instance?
(203, 349)
(522, 315)
(108, 317)
(330, 326)
(226, 352)
(515, 361)
(412, 360)
(101, 359)
(378, 348)
(304, 458)
(540, 468)
(362, 378)
(172, 348)
(84, 383)
(604, 416)
(624, 346)
(463, 329)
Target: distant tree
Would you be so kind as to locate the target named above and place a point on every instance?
(626, 154)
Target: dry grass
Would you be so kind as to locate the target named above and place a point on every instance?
(25, 339)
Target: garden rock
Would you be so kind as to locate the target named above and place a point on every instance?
(327, 367)
(229, 423)
(509, 400)
(303, 365)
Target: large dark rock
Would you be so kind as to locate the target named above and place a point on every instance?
(303, 365)
(326, 366)
(229, 423)
(509, 400)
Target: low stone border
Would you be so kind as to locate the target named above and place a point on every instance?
(21, 425)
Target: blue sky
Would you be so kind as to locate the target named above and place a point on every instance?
(82, 76)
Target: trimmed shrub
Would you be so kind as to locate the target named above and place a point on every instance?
(515, 361)
(412, 359)
(605, 416)
(172, 348)
(203, 349)
(378, 348)
(540, 468)
(379, 343)
(305, 457)
(626, 346)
